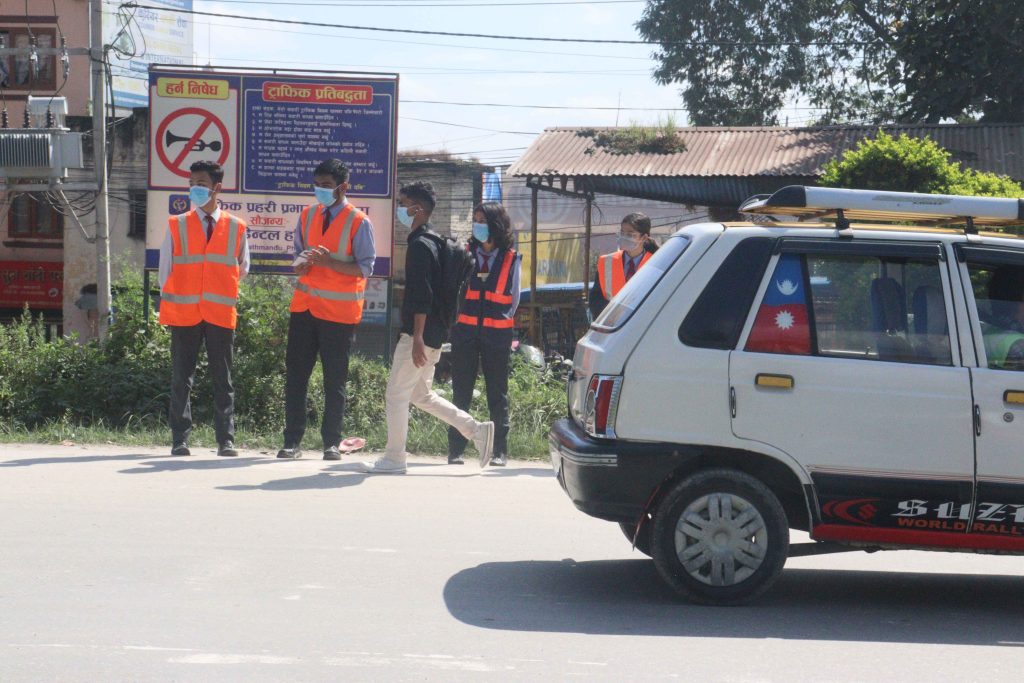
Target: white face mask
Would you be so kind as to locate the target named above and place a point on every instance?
(628, 242)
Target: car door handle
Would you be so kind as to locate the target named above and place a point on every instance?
(1013, 396)
(769, 381)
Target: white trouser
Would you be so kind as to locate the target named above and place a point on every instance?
(410, 384)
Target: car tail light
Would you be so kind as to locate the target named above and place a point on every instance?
(601, 404)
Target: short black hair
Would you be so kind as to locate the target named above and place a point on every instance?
(334, 168)
(215, 170)
(498, 223)
(420, 192)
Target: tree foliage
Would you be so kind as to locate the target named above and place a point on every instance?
(907, 164)
(739, 61)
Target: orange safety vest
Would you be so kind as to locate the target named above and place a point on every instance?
(203, 284)
(611, 270)
(488, 300)
(325, 293)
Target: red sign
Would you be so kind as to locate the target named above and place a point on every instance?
(192, 123)
(40, 284)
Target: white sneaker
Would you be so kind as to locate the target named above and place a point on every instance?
(484, 442)
(383, 465)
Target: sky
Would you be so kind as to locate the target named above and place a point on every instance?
(579, 77)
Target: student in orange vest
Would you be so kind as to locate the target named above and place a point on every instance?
(334, 255)
(482, 337)
(614, 270)
(203, 257)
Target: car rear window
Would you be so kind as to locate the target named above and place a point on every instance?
(632, 296)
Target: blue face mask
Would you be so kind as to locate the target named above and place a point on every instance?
(199, 195)
(481, 232)
(403, 216)
(324, 195)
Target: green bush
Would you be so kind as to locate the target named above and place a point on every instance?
(907, 164)
(52, 389)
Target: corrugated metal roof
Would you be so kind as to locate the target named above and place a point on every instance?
(770, 151)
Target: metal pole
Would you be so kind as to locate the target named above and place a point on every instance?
(587, 215)
(145, 295)
(534, 303)
(99, 154)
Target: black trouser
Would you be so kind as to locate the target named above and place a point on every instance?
(185, 343)
(307, 337)
(492, 356)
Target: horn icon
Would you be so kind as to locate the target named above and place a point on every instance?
(170, 138)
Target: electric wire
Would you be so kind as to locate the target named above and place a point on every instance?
(492, 36)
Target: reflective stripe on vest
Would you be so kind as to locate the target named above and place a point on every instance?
(185, 258)
(613, 272)
(328, 294)
(231, 257)
(306, 228)
(180, 298)
(609, 276)
(228, 259)
(346, 233)
(477, 297)
(504, 323)
(219, 299)
(203, 285)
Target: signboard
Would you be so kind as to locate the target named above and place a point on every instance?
(38, 284)
(158, 37)
(269, 131)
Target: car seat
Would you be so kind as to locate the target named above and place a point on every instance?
(931, 331)
(889, 320)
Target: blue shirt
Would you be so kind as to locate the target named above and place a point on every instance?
(626, 258)
(167, 250)
(488, 257)
(363, 249)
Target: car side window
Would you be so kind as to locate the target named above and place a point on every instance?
(859, 306)
(999, 295)
(716, 318)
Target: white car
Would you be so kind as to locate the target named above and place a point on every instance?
(862, 383)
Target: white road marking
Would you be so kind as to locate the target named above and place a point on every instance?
(214, 658)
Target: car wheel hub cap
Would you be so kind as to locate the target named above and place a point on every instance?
(720, 539)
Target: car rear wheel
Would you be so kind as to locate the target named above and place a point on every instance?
(720, 537)
(641, 541)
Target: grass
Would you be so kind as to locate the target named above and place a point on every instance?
(536, 398)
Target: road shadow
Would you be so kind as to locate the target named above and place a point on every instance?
(627, 597)
(62, 460)
(348, 474)
(181, 464)
(544, 472)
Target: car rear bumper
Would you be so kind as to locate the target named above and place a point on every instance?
(611, 479)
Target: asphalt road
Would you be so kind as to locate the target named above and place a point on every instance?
(126, 564)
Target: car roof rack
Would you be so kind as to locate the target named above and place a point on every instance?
(842, 206)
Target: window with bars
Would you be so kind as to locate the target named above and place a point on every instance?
(32, 216)
(16, 71)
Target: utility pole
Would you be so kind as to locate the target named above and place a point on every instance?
(99, 153)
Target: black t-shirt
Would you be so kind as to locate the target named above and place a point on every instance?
(422, 286)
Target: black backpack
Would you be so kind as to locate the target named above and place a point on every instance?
(456, 268)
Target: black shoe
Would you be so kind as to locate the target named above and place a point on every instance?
(227, 450)
(499, 461)
(292, 453)
(181, 448)
(456, 460)
(332, 453)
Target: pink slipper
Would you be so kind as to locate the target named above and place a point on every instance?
(352, 443)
